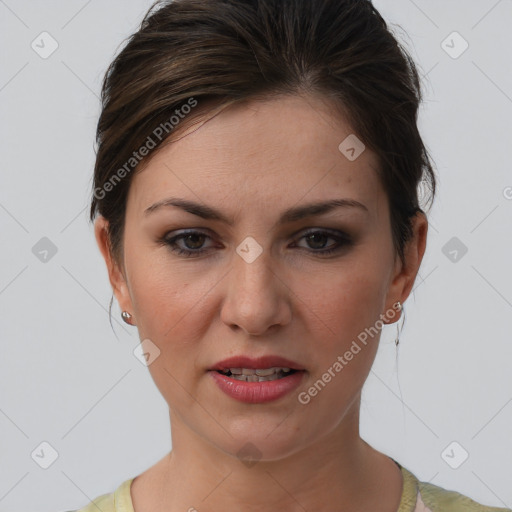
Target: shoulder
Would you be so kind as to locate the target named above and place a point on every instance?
(432, 498)
(437, 498)
(117, 501)
(105, 503)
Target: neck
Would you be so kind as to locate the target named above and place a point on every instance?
(338, 472)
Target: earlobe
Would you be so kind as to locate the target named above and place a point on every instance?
(116, 277)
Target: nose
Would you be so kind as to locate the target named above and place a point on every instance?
(257, 297)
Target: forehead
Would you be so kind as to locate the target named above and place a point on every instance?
(262, 153)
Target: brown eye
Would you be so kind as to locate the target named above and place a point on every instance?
(193, 240)
(188, 243)
(317, 241)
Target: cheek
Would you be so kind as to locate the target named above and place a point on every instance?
(171, 312)
(341, 317)
(342, 302)
(168, 304)
(174, 307)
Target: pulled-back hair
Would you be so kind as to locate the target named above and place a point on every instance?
(190, 57)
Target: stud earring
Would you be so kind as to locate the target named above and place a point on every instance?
(126, 317)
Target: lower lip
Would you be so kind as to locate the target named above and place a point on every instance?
(257, 392)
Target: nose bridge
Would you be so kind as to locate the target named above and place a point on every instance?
(255, 299)
(253, 276)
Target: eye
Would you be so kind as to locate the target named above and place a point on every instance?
(191, 243)
(317, 238)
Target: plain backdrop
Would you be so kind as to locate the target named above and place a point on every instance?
(74, 397)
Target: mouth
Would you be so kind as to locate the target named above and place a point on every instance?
(257, 385)
(259, 374)
(257, 380)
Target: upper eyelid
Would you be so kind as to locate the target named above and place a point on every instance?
(207, 232)
(334, 233)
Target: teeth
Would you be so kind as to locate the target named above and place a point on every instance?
(263, 372)
(256, 378)
(257, 375)
(266, 373)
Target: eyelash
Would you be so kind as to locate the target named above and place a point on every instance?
(343, 240)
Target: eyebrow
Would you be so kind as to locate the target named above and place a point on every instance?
(290, 215)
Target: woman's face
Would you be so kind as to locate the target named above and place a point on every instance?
(256, 285)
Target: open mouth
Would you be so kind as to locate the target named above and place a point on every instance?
(250, 375)
(257, 385)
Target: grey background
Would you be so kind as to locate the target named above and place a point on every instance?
(66, 379)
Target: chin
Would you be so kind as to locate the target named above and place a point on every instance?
(269, 442)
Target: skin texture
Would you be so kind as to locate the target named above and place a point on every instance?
(252, 162)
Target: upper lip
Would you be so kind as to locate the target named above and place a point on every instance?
(256, 363)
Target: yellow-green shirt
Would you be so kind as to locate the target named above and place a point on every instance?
(416, 497)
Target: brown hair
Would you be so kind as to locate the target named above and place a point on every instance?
(214, 53)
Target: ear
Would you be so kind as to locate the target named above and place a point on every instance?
(405, 274)
(115, 274)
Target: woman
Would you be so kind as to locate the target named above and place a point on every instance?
(256, 198)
